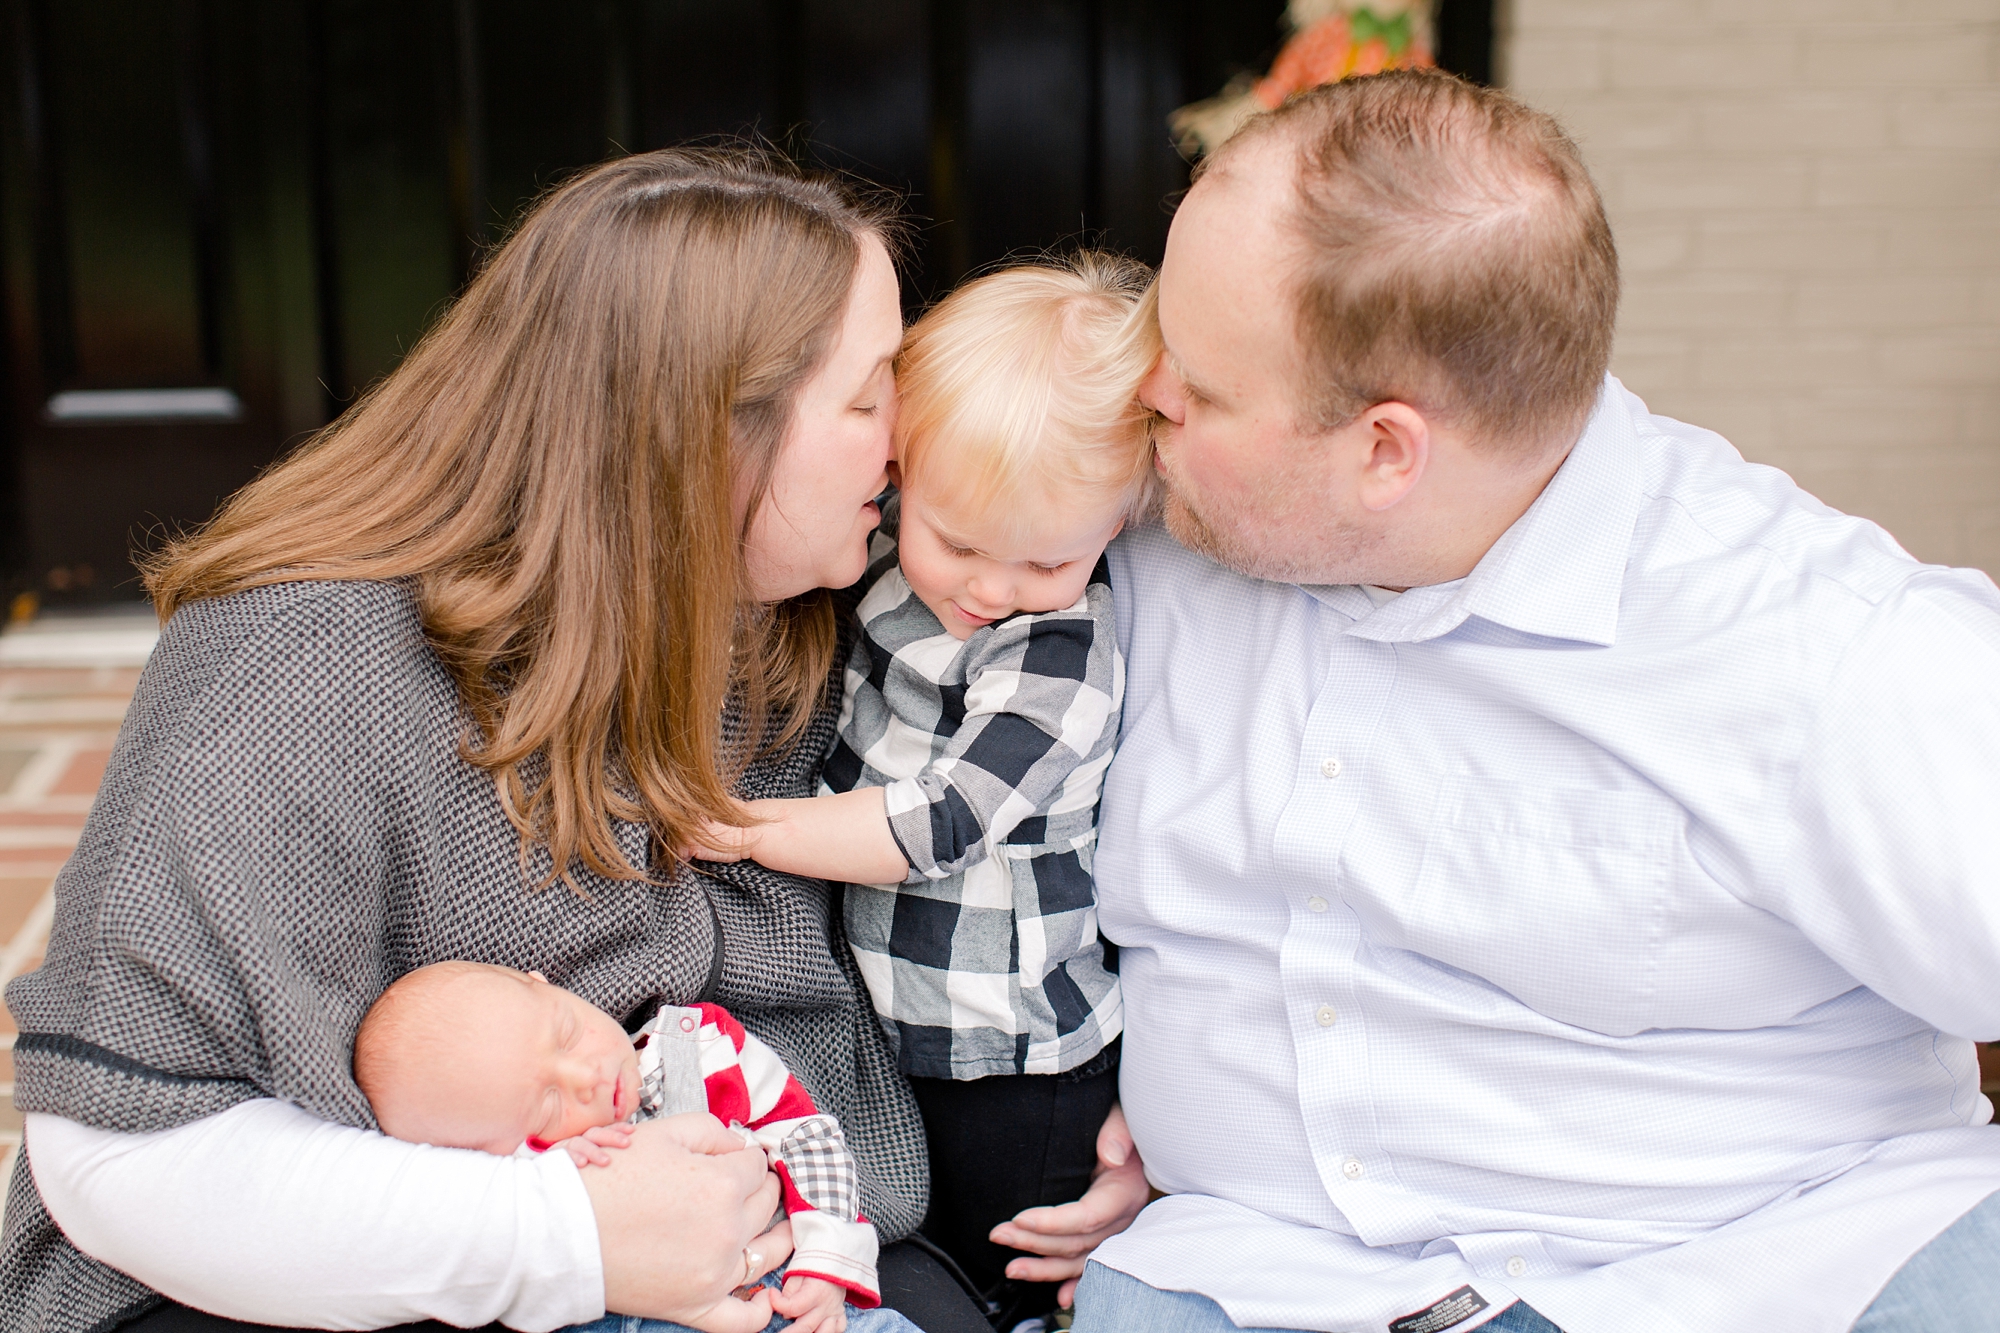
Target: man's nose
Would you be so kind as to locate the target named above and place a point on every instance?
(1161, 391)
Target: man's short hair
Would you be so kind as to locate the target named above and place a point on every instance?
(1453, 254)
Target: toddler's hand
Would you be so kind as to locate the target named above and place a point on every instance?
(722, 842)
(813, 1304)
(588, 1148)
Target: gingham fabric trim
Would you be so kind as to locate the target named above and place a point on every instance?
(822, 1170)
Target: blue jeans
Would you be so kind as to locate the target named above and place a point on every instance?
(858, 1321)
(1108, 1301)
(1952, 1285)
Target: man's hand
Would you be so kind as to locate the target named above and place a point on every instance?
(588, 1148)
(1067, 1233)
(813, 1304)
(681, 1217)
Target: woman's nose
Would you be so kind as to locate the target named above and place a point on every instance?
(885, 410)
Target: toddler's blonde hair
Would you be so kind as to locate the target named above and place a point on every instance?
(1020, 391)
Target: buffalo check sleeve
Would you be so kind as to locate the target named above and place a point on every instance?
(1040, 723)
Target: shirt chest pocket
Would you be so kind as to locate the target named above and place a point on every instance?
(1558, 896)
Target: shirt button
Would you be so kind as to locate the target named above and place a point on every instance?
(1351, 1168)
(1327, 1016)
(1516, 1266)
(1317, 903)
(1329, 767)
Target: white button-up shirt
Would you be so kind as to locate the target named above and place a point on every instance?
(1602, 930)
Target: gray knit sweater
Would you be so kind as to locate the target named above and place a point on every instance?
(285, 827)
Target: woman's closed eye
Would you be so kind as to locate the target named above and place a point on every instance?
(871, 399)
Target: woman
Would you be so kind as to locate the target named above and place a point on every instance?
(452, 683)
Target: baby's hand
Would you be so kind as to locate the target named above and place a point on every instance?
(587, 1148)
(813, 1304)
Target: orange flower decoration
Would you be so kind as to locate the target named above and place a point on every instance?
(1331, 40)
(1341, 46)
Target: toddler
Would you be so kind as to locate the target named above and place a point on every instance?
(468, 1055)
(981, 710)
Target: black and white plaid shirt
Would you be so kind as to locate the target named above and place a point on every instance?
(991, 751)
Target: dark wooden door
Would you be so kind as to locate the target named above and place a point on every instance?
(222, 219)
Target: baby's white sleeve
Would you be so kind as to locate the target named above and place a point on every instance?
(268, 1214)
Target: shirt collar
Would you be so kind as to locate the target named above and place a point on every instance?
(1557, 573)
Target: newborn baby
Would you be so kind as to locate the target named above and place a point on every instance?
(468, 1055)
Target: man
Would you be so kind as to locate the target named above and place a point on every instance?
(1553, 859)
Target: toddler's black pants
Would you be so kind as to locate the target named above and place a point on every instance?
(1003, 1143)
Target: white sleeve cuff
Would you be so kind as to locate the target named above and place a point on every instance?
(843, 1252)
(268, 1214)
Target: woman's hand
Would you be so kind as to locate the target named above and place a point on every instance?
(1067, 1233)
(681, 1223)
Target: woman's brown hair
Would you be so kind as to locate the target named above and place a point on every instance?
(550, 471)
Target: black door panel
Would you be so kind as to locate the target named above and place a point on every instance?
(220, 220)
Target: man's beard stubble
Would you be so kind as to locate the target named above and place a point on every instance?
(1330, 559)
(1191, 530)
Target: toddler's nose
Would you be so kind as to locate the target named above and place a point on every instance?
(992, 592)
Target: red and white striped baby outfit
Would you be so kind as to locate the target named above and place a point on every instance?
(747, 1087)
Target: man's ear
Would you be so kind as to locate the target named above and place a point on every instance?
(1399, 450)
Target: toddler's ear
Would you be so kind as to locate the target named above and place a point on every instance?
(539, 977)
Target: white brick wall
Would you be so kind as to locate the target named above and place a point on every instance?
(1806, 195)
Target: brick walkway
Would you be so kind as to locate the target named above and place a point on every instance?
(56, 729)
